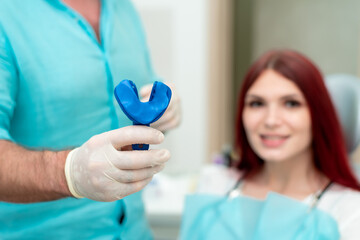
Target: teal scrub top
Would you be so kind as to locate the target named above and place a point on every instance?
(56, 91)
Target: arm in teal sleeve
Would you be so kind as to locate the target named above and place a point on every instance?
(23, 173)
(8, 85)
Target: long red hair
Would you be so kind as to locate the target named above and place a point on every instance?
(328, 144)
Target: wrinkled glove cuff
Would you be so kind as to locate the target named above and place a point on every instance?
(68, 164)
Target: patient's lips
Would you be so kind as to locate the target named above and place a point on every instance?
(273, 140)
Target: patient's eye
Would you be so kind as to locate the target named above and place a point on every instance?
(292, 103)
(255, 103)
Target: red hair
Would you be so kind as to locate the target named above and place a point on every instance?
(329, 151)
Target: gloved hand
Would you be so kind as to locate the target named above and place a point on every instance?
(172, 116)
(101, 170)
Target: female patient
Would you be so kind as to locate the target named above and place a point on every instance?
(293, 178)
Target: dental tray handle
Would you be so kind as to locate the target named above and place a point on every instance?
(140, 146)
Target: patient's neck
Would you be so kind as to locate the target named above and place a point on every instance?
(296, 177)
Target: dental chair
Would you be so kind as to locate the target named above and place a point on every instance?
(345, 94)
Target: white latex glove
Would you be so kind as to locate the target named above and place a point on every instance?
(172, 116)
(101, 170)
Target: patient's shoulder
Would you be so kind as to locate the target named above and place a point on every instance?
(338, 196)
(343, 204)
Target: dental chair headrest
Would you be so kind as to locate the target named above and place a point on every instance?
(345, 94)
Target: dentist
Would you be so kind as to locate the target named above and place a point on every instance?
(66, 168)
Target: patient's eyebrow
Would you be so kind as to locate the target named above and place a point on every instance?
(287, 96)
(253, 96)
(291, 96)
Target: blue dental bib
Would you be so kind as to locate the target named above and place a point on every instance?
(278, 217)
(142, 113)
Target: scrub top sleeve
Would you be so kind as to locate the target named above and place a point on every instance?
(8, 86)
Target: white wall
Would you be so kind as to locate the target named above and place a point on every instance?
(327, 31)
(177, 37)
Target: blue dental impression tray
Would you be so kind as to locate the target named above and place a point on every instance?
(142, 113)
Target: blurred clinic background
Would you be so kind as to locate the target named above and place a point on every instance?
(205, 47)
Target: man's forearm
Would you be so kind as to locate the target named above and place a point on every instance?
(31, 176)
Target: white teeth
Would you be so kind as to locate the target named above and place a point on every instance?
(273, 137)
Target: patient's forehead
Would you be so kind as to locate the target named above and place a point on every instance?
(272, 84)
